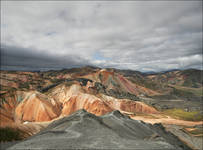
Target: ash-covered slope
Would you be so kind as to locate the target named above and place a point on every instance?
(83, 130)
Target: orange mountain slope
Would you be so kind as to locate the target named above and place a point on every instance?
(63, 100)
(113, 80)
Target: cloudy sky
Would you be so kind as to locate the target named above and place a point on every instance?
(144, 36)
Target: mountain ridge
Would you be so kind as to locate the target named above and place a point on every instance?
(33, 100)
(76, 127)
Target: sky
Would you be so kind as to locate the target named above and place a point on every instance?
(144, 36)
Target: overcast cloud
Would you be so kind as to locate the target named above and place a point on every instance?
(144, 36)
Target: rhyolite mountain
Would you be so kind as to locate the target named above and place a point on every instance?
(183, 85)
(31, 101)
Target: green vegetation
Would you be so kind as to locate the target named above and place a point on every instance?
(9, 134)
(121, 95)
(182, 93)
(68, 82)
(52, 74)
(194, 78)
(181, 114)
(100, 77)
(19, 98)
(2, 101)
(83, 81)
(24, 85)
(190, 83)
(187, 94)
(153, 85)
(110, 80)
(163, 97)
(194, 91)
(49, 87)
(100, 87)
(197, 132)
(57, 80)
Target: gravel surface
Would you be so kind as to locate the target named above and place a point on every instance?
(83, 130)
(5, 145)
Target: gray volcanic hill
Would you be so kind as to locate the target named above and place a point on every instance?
(83, 130)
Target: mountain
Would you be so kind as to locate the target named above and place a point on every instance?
(31, 101)
(157, 90)
(62, 100)
(188, 78)
(114, 130)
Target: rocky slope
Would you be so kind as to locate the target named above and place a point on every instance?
(32, 100)
(83, 130)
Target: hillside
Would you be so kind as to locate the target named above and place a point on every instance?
(114, 129)
(30, 101)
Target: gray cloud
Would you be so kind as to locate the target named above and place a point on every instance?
(24, 59)
(145, 36)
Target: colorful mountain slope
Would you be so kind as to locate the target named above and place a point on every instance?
(117, 82)
(63, 100)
